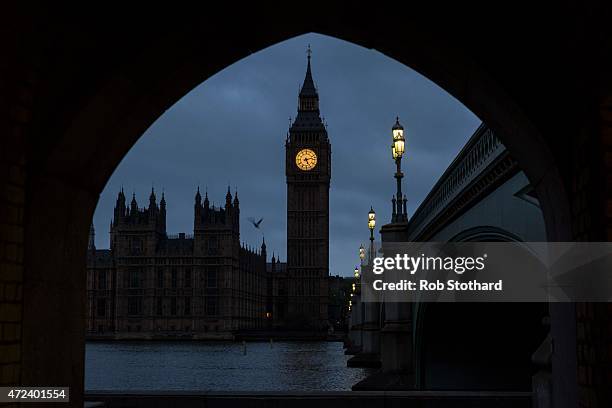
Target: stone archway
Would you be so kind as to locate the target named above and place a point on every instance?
(85, 93)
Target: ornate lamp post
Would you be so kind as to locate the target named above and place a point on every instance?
(394, 340)
(362, 255)
(371, 225)
(397, 149)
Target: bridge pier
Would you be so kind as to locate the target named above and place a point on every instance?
(396, 343)
(355, 335)
(370, 329)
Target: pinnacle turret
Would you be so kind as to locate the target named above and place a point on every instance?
(308, 87)
(198, 197)
(133, 204)
(308, 116)
(162, 203)
(263, 252)
(152, 199)
(228, 199)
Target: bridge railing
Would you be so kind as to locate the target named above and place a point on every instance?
(480, 151)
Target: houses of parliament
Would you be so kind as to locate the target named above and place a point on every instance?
(207, 284)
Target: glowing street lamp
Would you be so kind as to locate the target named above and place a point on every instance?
(361, 252)
(356, 273)
(398, 140)
(371, 219)
(371, 225)
(398, 146)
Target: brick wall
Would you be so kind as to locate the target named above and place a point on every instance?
(12, 199)
(594, 342)
(592, 214)
(11, 272)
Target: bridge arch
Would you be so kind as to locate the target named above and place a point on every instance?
(479, 346)
(486, 233)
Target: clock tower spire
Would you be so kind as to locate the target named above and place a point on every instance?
(308, 173)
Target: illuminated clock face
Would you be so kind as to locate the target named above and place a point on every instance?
(306, 159)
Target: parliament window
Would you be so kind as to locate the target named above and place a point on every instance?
(160, 278)
(211, 278)
(134, 278)
(173, 306)
(213, 245)
(102, 280)
(187, 306)
(211, 306)
(188, 277)
(136, 245)
(174, 278)
(159, 307)
(133, 305)
(101, 308)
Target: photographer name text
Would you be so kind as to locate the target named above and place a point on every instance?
(437, 285)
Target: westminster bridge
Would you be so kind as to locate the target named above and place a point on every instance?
(482, 196)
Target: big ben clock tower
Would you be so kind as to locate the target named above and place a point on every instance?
(308, 172)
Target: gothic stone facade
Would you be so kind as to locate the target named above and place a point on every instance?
(149, 283)
(308, 173)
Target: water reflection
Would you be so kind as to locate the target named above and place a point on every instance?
(186, 366)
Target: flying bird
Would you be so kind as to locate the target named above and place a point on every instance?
(256, 223)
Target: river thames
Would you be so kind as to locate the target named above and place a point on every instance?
(220, 366)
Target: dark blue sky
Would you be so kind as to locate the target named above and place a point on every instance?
(231, 130)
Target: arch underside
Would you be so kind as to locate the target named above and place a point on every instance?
(109, 86)
(478, 346)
